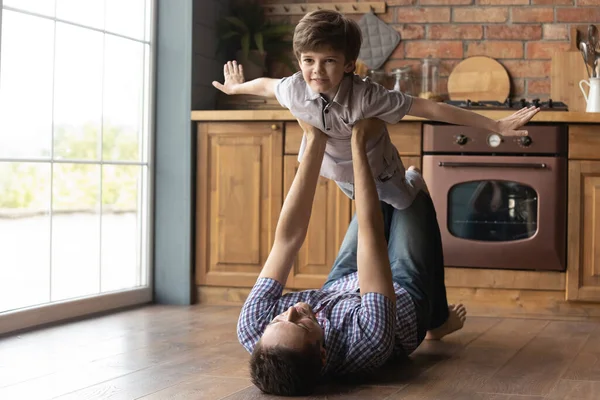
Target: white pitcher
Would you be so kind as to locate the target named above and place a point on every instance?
(593, 97)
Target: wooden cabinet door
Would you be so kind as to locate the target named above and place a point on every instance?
(583, 243)
(239, 197)
(328, 224)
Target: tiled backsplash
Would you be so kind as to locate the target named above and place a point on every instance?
(520, 34)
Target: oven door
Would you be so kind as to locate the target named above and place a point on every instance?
(500, 212)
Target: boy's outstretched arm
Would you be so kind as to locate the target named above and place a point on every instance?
(297, 207)
(508, 126)
(236, 84)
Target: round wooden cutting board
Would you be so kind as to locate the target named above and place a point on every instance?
(479, 78)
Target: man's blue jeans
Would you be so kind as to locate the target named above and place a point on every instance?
(416, 258)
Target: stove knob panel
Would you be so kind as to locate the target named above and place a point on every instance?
(525, 141)
(461, 140)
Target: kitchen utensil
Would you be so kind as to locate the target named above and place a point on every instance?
(479, 78)
(567, 69)
(379, 40)
(593, 36)
(583, 48)
(593, 97)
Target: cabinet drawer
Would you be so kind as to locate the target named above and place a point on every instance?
(406, 136)
(584, 142)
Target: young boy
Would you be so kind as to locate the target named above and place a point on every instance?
(326, 94)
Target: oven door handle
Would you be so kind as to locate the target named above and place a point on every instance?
(450, 164)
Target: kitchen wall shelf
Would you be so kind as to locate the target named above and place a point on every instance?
(376, 7)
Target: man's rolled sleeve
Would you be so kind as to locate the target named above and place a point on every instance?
(388, 105)
(374, 341)
(257, 311)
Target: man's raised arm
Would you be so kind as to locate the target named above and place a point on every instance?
(374, 272)
(297, 207)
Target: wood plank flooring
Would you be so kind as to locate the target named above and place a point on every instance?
(160, 352)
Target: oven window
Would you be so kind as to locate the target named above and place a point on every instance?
(492, 211)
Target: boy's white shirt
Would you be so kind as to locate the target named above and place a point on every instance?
(356, 99)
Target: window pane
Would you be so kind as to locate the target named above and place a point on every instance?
(77, 93)
(24, 235)
(123, 99)
(493, 211)
(26, 74)
(147, 110)
(86, 12)
(120, 227)
(75, 231)
(126, 17)
(45, 7)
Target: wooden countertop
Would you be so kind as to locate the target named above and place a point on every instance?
(285, 115)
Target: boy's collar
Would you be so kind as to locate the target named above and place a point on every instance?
(341, 97)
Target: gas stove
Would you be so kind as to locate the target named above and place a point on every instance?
(509, 104)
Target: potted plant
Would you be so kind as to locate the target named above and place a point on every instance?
(254, 38)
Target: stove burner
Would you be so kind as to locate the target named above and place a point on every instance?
(509, 104)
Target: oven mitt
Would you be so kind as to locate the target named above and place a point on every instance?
(379, 40)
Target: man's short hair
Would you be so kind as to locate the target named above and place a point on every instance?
(286, 372)
(327, 28)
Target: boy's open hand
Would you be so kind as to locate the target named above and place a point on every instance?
(509, 126)
(234, 76)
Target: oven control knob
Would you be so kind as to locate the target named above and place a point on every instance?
(525, 141)
(461, 140)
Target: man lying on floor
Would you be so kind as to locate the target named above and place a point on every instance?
(300, 338)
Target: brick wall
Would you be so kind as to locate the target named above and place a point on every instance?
(520, 34)
(205, 65)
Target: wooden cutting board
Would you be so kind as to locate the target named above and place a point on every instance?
(568, 68)
(479, 78)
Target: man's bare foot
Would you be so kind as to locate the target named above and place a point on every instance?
(456, 320)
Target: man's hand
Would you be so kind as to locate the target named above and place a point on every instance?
(508, 126)
(310, 131)
(365, 129)
(234, 77)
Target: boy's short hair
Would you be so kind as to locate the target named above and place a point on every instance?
(327, 28)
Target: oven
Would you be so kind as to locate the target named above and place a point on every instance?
(501, 202)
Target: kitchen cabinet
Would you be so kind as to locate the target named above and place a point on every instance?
(583, 271)
(328, 224)
(239, 197)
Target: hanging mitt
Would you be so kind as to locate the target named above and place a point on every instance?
(379, 40)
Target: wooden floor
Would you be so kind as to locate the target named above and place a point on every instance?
(162, 352)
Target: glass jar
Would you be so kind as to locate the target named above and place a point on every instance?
(379, 76)
(404, 81)
(429, 79)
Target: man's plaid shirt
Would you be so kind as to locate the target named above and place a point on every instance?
(361, 333)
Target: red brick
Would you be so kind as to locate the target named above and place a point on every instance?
(423, 15)
(527, 68)
(399, 2)
(455, 32)
(436, 49)
(488, 14)
(538, 86)
(533, 14)
(545, 50)
(579, 14)
(522, 32)
(500, 49)
(588, 3)
(502, 2)
(555, 32)
(411, 31)
(553, 2)
(446, 66)
(445, 2)
(387, 17)
(398, 51)
(517, 89)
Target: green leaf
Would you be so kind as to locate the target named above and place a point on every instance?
(245, 45)
(258, 39)
(278, 30)
(229, 34)
(237, 22)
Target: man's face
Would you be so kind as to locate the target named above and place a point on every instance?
(324, 69)
(295, 328)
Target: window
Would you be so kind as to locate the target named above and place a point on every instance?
(75, 112)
